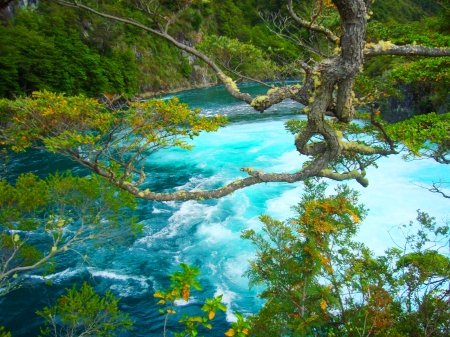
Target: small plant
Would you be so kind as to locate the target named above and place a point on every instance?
(85, 313)
(182, 281)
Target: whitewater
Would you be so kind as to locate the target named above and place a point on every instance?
(206, 234)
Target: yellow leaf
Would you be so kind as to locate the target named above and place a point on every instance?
(230, 333)
(211, 314)
(158, 294)
(161, 302)
(323, 304)
(245, 331)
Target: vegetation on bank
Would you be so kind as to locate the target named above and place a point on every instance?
(57, 49)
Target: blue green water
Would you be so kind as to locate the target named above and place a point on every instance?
(207, 233)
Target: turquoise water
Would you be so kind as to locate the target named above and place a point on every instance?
(207, 233)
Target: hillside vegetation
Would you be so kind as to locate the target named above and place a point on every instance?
(58, 49)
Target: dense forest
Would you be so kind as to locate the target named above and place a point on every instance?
(73, 75)
(49, 47)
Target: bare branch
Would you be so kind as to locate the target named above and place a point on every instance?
(437, 187)
(284, 28)
(312, 26)
(388, 48)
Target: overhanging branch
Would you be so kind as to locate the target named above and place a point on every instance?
(388, 48)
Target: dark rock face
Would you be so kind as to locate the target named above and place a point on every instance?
(418, 99)
(9, 7)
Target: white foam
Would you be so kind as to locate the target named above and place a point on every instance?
(228, 297)
(200, 183)
(122, 282)
(157, 210)
(289, 161)
(215, 233)
(182, 303)
(279, 208)
(114, 275)
(60, 276)
(183, 218)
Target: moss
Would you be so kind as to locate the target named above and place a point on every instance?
(229, 82)
(317, 80)
(272, 91)
(259, 99)
(385, 45)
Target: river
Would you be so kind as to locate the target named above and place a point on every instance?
(207, 233)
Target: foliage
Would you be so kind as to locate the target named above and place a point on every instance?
(42, 219)
(4, 333)
(45, 51)
(106, 138)
(404, 11)
(421, 279)
(423, 71)
(238, 58)
(240, 328)
(427, 78)
(302, 263)
(424, 136)
(319, 281)
(85, 313)
(182, 281)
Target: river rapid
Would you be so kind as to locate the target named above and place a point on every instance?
(207, 233)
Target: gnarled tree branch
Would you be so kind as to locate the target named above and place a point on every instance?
(327, 89)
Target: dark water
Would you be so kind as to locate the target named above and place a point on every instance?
(207, 233)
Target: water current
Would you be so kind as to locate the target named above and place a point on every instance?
(207, 233)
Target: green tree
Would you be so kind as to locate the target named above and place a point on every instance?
(42, 219)
(43, 48)
(84, 313)
(422, 277)
(319, 281)
(304, 264)
(112, 141)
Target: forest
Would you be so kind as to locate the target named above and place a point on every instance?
(81, 84)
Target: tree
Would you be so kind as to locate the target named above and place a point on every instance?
(43, 219)
(320, 282)
(334, 145)
(84, 313)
